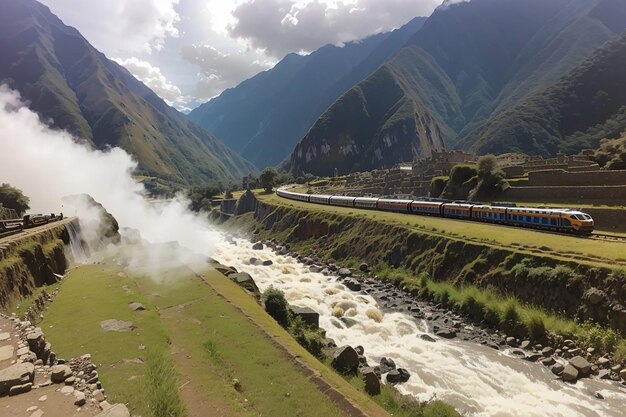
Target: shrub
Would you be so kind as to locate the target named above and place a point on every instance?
(276, 306)
(536, 327)
(510, 318)
(309, 337)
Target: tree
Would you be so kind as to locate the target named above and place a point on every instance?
(490, 178)
(460, 182)
(437, 185)
(200, 196)
(268, 179)
(13, 198)
(250, 181)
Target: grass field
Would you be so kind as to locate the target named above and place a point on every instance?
(523, 240)
(192, 352)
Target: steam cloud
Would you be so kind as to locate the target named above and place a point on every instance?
(49, 164)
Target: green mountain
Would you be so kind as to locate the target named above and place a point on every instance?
(584, 106)
(67, 81)
(265, 116)
(469, 62)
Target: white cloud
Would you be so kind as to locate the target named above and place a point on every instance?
(221, 71)
(283, 26)
(153, 78)
(122, 26)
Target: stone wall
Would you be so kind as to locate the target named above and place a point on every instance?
(557, 177)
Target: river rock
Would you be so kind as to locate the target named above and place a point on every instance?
(116, 410)
(257, 246)
(348, 321)
(604, 374)
(580, 363)
(557, 369)
(59, 373)
(371, 380)
(352, 284)
(533, 357)
(360, 350)
(344, 272)
(386, 365)
(622, 374)
(570, 373)
(268, 262)
(345, 360)
(427, 338)
(398, 376)
(308, 315)
(446, 333)
(548, 361)
(603, 362)
(511, 341)
(18, 374)
(315, 269)
(547, 351)
(364, 267)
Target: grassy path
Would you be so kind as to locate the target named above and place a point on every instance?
(192, 351)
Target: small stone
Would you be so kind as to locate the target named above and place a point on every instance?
(67, 390)
(622, 374)
(37, 413)
(87, 356)
(547, 351)
(98, 395)
(548, 361)
(598, 396)
(557, 369)
(511, 341)
(79, 398)
(20, 389)
(70, 381)
(580, 363)
(43, 398)
(427, 338)
(31, 409)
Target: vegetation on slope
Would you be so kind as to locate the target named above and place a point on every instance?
(584, 106)
(470, 64)
(13, 199)
(69, 82)
(612, 153)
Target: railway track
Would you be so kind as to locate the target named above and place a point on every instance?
(610, 238)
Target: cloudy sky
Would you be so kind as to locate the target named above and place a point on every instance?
(188, 51)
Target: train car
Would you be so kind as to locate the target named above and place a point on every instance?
(457, 210)
(338, 200)
(561, 220)
(292, 196)
(366, 202)
(491, 214)
(429, 208)
(32, 220)
(320, 198)
(390, 204)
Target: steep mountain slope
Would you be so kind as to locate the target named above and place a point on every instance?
(584, 106)
(265, 116)
(487, 55)
(69, 82)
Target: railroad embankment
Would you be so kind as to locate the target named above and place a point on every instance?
(31, 259)
(573, 288)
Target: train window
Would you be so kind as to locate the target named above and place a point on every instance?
(566, 222)
(553, 222)
(528, 219)
(544, 220)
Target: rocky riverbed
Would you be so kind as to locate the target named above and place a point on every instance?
(479, 370)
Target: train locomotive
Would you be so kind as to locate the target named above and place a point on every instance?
(558, 220)
(28, 221)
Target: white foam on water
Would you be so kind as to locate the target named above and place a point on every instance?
(477, 380)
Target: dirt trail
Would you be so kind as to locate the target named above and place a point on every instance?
(42, 400)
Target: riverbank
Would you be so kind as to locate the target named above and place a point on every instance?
(558, 293)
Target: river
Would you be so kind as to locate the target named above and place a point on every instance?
(477, 380)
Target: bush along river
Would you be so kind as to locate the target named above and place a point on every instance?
(477, 370)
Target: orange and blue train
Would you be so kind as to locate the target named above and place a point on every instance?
(558, 220)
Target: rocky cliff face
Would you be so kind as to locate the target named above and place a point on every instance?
(27, 263)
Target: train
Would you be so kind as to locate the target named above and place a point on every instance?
(28, 221)
(557, 220)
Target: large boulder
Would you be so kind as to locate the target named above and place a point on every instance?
(246, 203)
(344, 272)
(352, 284)
(569, 374)
(18, 374)
(581, 364)
(345, 360)
(308, 315)
(386, 365)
